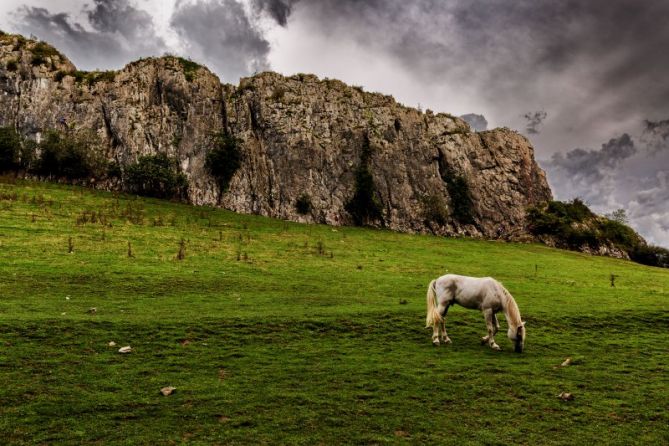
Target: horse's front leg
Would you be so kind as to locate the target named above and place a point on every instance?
(491, 324)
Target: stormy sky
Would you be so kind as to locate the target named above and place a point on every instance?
(585, 81)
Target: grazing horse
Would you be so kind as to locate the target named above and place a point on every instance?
(485, 294)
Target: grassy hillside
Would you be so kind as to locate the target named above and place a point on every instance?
(275, 332)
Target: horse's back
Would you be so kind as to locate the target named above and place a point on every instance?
(469, 292)
(466, 280)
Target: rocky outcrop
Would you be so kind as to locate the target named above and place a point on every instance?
(300, 138)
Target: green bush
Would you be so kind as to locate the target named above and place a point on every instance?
(223, 160)
(434, 209)
(113, 170)
(10, 149)
(557, 218)
(461, 203)
(65, 156)
(573, 225)
(573, 211)
(461, 200)
(650, 255)
(365, 205)
(189, 68)
(156, 176)
(93, 77)
(541, 222)
(303, 204)
(41, 52)
(579, 237)
(619, 234)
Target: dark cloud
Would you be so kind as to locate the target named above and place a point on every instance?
(279, 10)
(222, 35)
(656, 135)
(534, 121)
(592, 166)
(477, 122)
(117, 34)
(595, 66)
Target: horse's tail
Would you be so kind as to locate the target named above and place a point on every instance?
(433, 316)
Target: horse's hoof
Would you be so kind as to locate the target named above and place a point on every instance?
(448, 341)
(495, 347)
(435, 343)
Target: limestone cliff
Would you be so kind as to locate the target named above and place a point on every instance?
(301, 137)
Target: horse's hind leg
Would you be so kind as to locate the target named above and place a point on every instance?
(439, 328)
(443, 336)
(492, 325)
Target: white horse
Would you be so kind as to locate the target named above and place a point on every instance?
(485, 294)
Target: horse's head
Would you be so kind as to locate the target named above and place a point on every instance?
(518, 337)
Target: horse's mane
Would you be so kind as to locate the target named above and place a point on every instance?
(511, 310)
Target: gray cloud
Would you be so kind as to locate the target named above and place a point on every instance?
(534, 121)
(590, 174)
(118, 33)
(221, 34)
(621, 174)
(595, 163)
(477, 122)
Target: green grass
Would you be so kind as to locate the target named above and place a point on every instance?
(269, 341)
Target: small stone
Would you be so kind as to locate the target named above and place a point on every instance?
(566, 396)
(566, 362)
(92, 310)
(126, 349)
(112, 344)
(169, 390)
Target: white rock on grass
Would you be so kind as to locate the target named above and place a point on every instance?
(566, 396)
(126, 349)
(112, 344)
(169, 390)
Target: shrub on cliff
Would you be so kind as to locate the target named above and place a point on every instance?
(41, 52)
(66, 156)
(461, 200)
(10, 148)
(303, 204)
(364, 206)
(563, 220)
(223, 160)
(461, 204)
(156, 176)
(434, 209)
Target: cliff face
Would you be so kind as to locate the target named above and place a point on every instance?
(300, 137)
